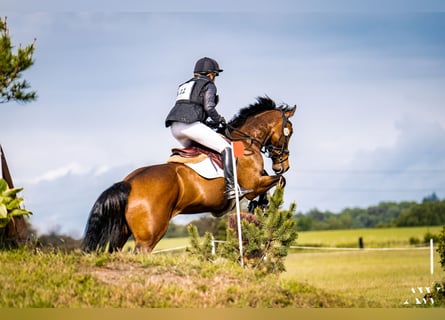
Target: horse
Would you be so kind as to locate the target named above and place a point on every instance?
(145, 201)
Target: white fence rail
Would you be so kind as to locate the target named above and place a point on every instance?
(430, 247)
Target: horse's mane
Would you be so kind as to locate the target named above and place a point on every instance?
(262, 104)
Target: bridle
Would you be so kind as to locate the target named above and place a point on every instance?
(276, 153)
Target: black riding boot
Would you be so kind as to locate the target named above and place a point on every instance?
(226, 156)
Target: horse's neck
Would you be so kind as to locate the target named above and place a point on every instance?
(256, 131)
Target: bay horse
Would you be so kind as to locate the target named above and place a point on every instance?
(145, 201)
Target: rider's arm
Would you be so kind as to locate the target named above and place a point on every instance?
(210, 103)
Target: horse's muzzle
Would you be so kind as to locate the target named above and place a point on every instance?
(281, 169)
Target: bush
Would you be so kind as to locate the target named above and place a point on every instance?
(201, 249)
(438, 294)
(414, 241)
(441, 247)
(428, 236)
(266, 238)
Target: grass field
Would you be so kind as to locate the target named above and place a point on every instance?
(383, 278)
(376, 278)
(313, 278)
(33, 278)
(372, 238)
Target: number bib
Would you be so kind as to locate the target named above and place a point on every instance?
(185, 91)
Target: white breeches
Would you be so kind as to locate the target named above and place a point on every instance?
(185, 133)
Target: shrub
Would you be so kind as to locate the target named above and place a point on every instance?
(428, 236)
(414, 241)
(441, 247)
(10, 204)
(266, 238)
(201, 249)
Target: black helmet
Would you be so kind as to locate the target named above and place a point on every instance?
(206, 65)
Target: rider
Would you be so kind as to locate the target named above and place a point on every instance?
(196, 101)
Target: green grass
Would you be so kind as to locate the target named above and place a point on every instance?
(375, 278)
(66, 280)
(32, 278)
(373, 238)
(165, 243)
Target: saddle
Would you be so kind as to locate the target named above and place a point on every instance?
(195, 154)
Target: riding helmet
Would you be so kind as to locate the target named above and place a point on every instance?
(206, 65)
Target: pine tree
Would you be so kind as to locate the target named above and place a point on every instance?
(201, 249)
(267, 241)
(12, 88)
(266, 237)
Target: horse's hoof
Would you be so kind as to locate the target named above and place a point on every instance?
(281, 182)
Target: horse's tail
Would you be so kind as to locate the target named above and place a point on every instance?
(107, 224)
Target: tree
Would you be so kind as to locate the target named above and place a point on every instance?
(267, 236)
(267, 240)
(431, 198)
(423, 214)
(12, 87)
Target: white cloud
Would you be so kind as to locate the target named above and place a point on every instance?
(64, 197)
(71, 168)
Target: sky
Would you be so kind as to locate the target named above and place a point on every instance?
(368, 82)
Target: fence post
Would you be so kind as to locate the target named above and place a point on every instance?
(431, 256)
(361, 244)
(237, 200)
(213, 246)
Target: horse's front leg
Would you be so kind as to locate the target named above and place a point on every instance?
(263, 184)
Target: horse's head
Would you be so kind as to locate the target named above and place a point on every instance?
(268, 127)
(277, 145)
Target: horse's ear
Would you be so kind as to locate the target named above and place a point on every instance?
(289, 113)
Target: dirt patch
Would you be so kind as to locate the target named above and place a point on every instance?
(135, 275)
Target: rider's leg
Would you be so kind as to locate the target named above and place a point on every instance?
(202, 134)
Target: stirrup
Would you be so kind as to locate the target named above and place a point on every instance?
(230, 194)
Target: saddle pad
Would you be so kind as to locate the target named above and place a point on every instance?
(202, 165)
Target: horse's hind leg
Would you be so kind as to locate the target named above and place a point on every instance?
(147, 228)
(142, 246)
(154, 194)
(146, 241)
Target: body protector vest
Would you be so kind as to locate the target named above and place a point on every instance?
(189, 106)
(189, 92)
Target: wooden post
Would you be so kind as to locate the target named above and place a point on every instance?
(5, 170)
(361, 245)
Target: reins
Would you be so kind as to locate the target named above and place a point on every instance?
(271, 150)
